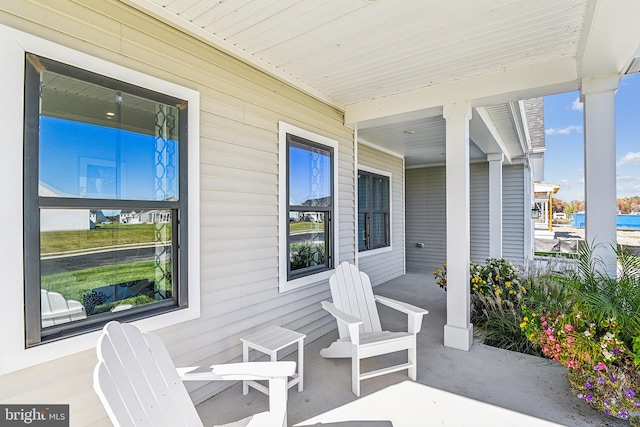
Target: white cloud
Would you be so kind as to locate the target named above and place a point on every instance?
(577, 105)
(570, 189)
(627, 186)
(563, 131)
(629, 159)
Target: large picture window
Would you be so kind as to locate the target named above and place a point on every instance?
(374, 211)
(105, 201)
(310, 207)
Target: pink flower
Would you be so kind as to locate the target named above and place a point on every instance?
(600, 367)
(543, 319)
(569, 328)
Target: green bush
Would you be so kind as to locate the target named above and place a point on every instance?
(308, 254)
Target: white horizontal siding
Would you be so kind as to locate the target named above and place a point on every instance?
(479, 205)
(426, 215)
(240, 110)
(385, 266)
(514, 221)
(426, 212)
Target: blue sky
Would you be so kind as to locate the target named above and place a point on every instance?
(80, 160)
(564, 132)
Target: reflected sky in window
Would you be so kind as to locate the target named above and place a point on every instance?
(85, 160)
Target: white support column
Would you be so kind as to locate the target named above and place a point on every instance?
(458, 332)
(598, 96)
(495, 204)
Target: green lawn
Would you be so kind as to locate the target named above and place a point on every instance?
(102, 236)
(299, 227)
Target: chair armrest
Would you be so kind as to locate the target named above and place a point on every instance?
(400, 306)
(238, 371)
(415, 313)
(352, 323)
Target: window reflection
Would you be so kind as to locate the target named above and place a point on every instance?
(111, 145)
(103, 260)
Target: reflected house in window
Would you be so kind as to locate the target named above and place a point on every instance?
(145, 217)
(62, 219)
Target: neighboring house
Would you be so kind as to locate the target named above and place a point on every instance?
(144, 217)
(412, 146)
(62, 219)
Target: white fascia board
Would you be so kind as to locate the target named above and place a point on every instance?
(516, 109)
(162, 14)
(379, 148)
(543, 78)
(492, 141)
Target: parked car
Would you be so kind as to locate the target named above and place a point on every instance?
(559, 215)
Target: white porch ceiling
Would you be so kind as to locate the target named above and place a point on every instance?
(376, 59)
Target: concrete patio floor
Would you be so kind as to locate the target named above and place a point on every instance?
(485, 386)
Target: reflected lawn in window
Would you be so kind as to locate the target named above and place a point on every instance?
(103, 236)
(109, 264)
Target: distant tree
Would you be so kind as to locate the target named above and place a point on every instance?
(559, 206)
(625, 205)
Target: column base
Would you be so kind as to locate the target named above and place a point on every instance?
(457, 337)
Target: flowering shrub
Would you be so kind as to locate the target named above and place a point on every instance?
(612, 389)
(441, 277)
(600, 366)
(498, 278)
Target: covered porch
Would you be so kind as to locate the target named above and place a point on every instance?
(454, 388)
(429, 94)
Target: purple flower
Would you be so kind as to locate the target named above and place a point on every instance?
(601, 380)
(588, 385)
(624, 414)
(588, 397)
(607, 412)
(580, 396)
(636, 403)
(616, 351)
(612, 378)
(630, 393)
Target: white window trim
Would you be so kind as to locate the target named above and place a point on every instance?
(13, 45)
(283, 130)
(386, 248)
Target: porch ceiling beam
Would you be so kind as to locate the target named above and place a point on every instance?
(610, 38)
(543, 78)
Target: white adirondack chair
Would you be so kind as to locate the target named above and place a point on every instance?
(56, 309)
(139, 385)
(361, 335)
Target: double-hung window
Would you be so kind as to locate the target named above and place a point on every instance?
(310, 189)
(374, 211)
(308, 206)
(105, 201)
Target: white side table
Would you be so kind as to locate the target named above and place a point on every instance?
(269, 341)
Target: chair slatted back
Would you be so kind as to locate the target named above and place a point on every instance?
(352, 293)
(137, 381)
